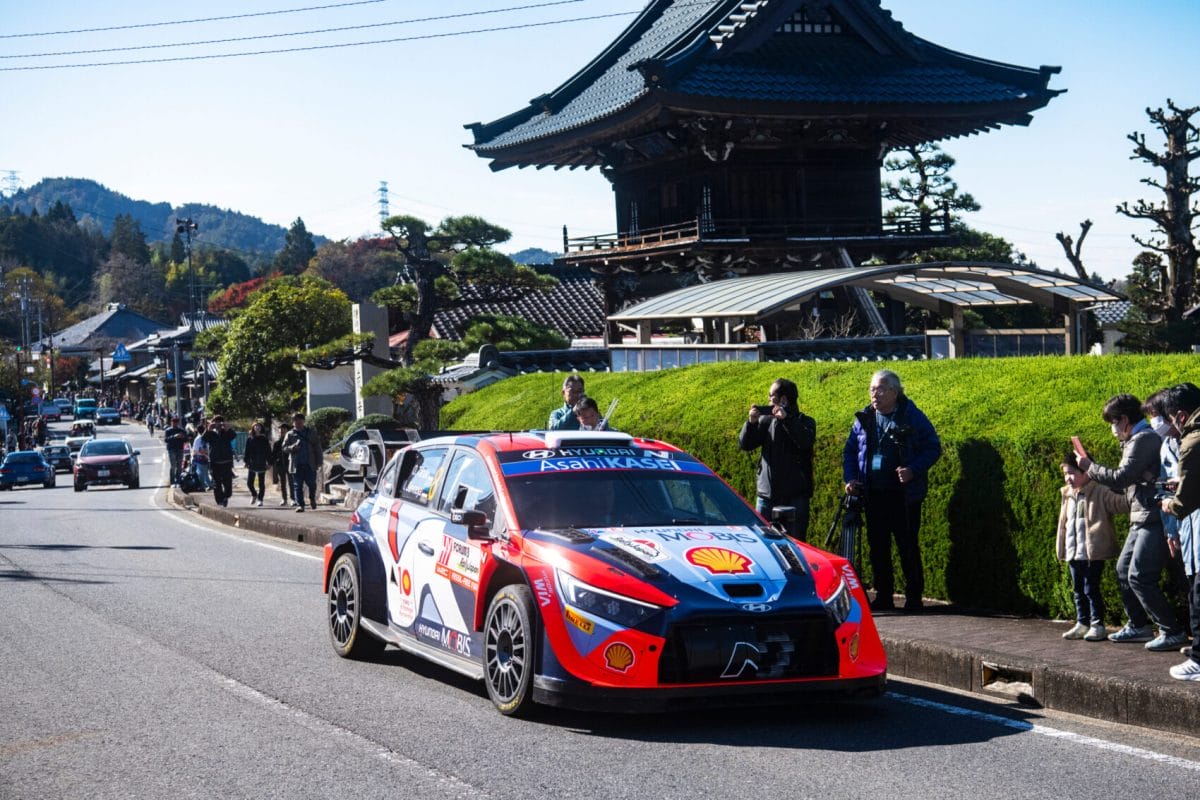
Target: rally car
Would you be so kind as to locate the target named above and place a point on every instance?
(596, 571)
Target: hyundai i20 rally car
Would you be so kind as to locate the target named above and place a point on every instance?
(593, 570)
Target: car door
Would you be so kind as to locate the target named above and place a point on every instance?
(401, 519)
(445, 564)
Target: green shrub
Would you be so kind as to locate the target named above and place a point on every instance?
(381, 421)
(988, 527)
(325, 421)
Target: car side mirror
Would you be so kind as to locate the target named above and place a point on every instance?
(137, 452)
(477, 523)
(782, 517)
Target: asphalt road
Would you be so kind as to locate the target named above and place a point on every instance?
(148, 654)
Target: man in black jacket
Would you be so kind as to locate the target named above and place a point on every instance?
(786, 436)
(220, 455)
(174, 437)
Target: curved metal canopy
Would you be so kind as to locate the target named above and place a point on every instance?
(939, 286)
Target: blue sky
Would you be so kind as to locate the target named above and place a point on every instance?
(312, 133)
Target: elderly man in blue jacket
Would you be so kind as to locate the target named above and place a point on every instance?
(887, 456)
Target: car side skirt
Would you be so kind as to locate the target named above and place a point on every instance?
(471, 669)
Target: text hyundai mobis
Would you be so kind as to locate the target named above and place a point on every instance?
(593, 570)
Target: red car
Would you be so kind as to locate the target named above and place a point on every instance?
(593, 570)
(103, 462)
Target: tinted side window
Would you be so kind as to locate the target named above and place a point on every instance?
(420, 484)
(469, 486)
(386, 486)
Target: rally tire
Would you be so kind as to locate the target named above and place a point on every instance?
(509, 637)
(344, 608)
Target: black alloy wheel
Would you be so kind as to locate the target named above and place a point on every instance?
(345, 611)
(508, 650)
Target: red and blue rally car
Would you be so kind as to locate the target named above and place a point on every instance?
(593, 570)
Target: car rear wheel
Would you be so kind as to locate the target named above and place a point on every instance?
(508, 650)
(50, 483)
(345, 611)
(134, 484)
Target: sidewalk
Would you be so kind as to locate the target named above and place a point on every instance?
(1021, 660)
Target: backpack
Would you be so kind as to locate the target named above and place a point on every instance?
(190, 482)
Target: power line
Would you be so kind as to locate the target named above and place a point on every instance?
(365, 26)
(310, 48)
(190, 21)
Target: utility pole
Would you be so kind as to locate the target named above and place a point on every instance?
(186, 226)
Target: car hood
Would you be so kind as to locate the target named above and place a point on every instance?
(707, 558)
(103, 461)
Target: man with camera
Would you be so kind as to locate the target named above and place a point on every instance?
(1145, 553)
(785, 436)
(890, 449)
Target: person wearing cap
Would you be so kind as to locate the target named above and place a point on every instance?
(174, 437)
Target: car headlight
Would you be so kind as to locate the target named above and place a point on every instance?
(838, 604)
(616, 608)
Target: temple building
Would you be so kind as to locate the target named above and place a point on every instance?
(747, 137)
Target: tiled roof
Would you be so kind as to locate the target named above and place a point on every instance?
(727, 49)
(116, 324)
(840, 70)
(574, 308)
(1112, 313)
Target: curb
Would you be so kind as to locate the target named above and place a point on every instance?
(291, 531)
(1036, 684)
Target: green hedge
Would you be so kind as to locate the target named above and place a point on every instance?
(988, 532)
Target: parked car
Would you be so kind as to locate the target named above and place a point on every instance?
(25, 468)
(593, 570)
(106, 415)
(106, 461)
(59, 456)
(85, 408)
(50, 412)
(81, 432)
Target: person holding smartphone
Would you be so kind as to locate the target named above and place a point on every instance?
(785, 436)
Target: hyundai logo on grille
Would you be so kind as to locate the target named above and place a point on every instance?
(756, 607)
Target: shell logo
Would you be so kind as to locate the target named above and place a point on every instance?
(719, 561)
(618, 656)
(406, 582)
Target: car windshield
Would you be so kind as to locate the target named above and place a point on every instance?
(616, 498)
(105, 448)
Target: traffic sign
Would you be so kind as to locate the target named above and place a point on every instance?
(36, 392)
(4, 412)
(121, 355)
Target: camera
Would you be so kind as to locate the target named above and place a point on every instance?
(1162, 491)
(765, 410)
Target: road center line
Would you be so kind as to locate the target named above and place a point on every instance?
(1043, 730)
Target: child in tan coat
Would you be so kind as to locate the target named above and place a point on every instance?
(1085, 540)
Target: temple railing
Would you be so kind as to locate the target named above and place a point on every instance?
(718, 230)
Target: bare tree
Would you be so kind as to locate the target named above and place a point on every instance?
(1175, 216)
(1073, 248)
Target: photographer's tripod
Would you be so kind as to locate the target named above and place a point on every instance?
(842, 537)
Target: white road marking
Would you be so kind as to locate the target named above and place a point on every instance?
(182, 516)
(449, 785)
(1054, 733)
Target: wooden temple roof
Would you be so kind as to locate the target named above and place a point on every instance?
(775, 61)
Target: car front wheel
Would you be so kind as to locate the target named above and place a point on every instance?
(508, 650)
(345, 611)
(79, 487)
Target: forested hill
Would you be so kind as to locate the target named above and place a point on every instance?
(91, 201)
